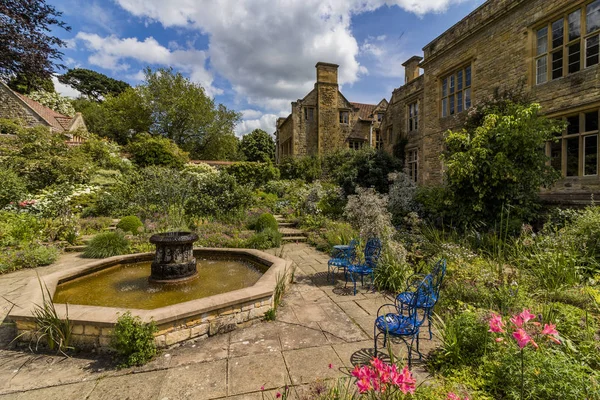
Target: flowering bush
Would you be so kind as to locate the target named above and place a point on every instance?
(54, 101)
(383, 381)
(367, 212)
(401, 196)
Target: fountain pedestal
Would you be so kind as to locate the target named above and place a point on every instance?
(174, 260)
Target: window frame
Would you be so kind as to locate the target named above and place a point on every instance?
(581, 135)
(450, 92)
(355, 144)
(413, 116)
(412, 164)
(346, 113)
(564, 49)
(306, 114)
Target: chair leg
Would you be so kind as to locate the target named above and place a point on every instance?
(429, 323)
(409, 348)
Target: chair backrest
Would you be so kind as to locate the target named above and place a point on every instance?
(423, 294)
(372, 252)
(437, 274)
(352, 247)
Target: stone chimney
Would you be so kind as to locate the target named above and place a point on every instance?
(411, 68)
(327, 73)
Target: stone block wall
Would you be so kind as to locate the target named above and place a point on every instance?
(11, 107)
(497, 41)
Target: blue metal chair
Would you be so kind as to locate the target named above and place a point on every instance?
(405, 326)
(436, 276)
(342, 260)
(372, 254)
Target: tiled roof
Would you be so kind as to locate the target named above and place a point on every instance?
(57, 121)
(365, 111)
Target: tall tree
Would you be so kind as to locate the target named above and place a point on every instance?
(118, 118)
(92, 84)
(183, 112)
(258, 146)
(26, 45)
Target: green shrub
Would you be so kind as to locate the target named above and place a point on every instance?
(33, 255)
(265, 239)
(266, 221)
(392, 268)
(13, 188)
(253, 173)
(42, 158)
(20, 227)
(307, 168)
(107, 244)
(133, 340)
(131, 224)
(465, 339)
(216, 234)
(495, 163)
(149, 150)
(549, 374)
(90, 226)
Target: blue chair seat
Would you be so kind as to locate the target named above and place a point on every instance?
(422, 301)
(339, 262)
(396, 325)
(360, 269)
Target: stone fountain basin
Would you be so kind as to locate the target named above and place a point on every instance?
(93, 325)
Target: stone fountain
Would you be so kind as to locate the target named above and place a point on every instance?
(174, 259)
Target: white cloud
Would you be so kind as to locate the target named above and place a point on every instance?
(65, 90)
(250, 114)
(267, 49)
(266, 122)
(110, 52)
(386, 55)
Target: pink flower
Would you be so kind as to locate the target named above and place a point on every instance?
(262, 387)
(496, 324)
(526, 316)
(364, 385)
(549, 329)
(278, 395)
(330, 366)
(521, 337)
(499, 339)
(517, 321)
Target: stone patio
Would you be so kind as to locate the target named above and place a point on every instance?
(321, 332)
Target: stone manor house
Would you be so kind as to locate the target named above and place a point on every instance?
(548, 47)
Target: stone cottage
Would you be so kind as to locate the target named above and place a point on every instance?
(549, 46)
(14, 105)
(324, 120)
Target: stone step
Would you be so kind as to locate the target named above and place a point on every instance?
(291, 232)
(286, 224)
(75, 249)
(294, 239)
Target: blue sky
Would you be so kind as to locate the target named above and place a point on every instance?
(256, 56)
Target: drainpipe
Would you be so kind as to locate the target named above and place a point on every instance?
(371, 134)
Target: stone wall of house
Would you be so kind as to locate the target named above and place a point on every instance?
(11, 107)
(497, 40)
(396, 119)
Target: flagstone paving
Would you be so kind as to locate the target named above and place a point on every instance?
(321, 332)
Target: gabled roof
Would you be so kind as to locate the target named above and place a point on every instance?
(58, 122)
(365, 111)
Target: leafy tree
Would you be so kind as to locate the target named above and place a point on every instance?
(24, 84)
(182, 112)
(118, 118)
(92, 84)
(27, 46)
(54, 101)
(149, 150)
(499, 164)
(258, 146)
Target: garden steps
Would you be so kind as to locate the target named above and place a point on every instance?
(75, 249)
(294, 238)
(291, 231)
